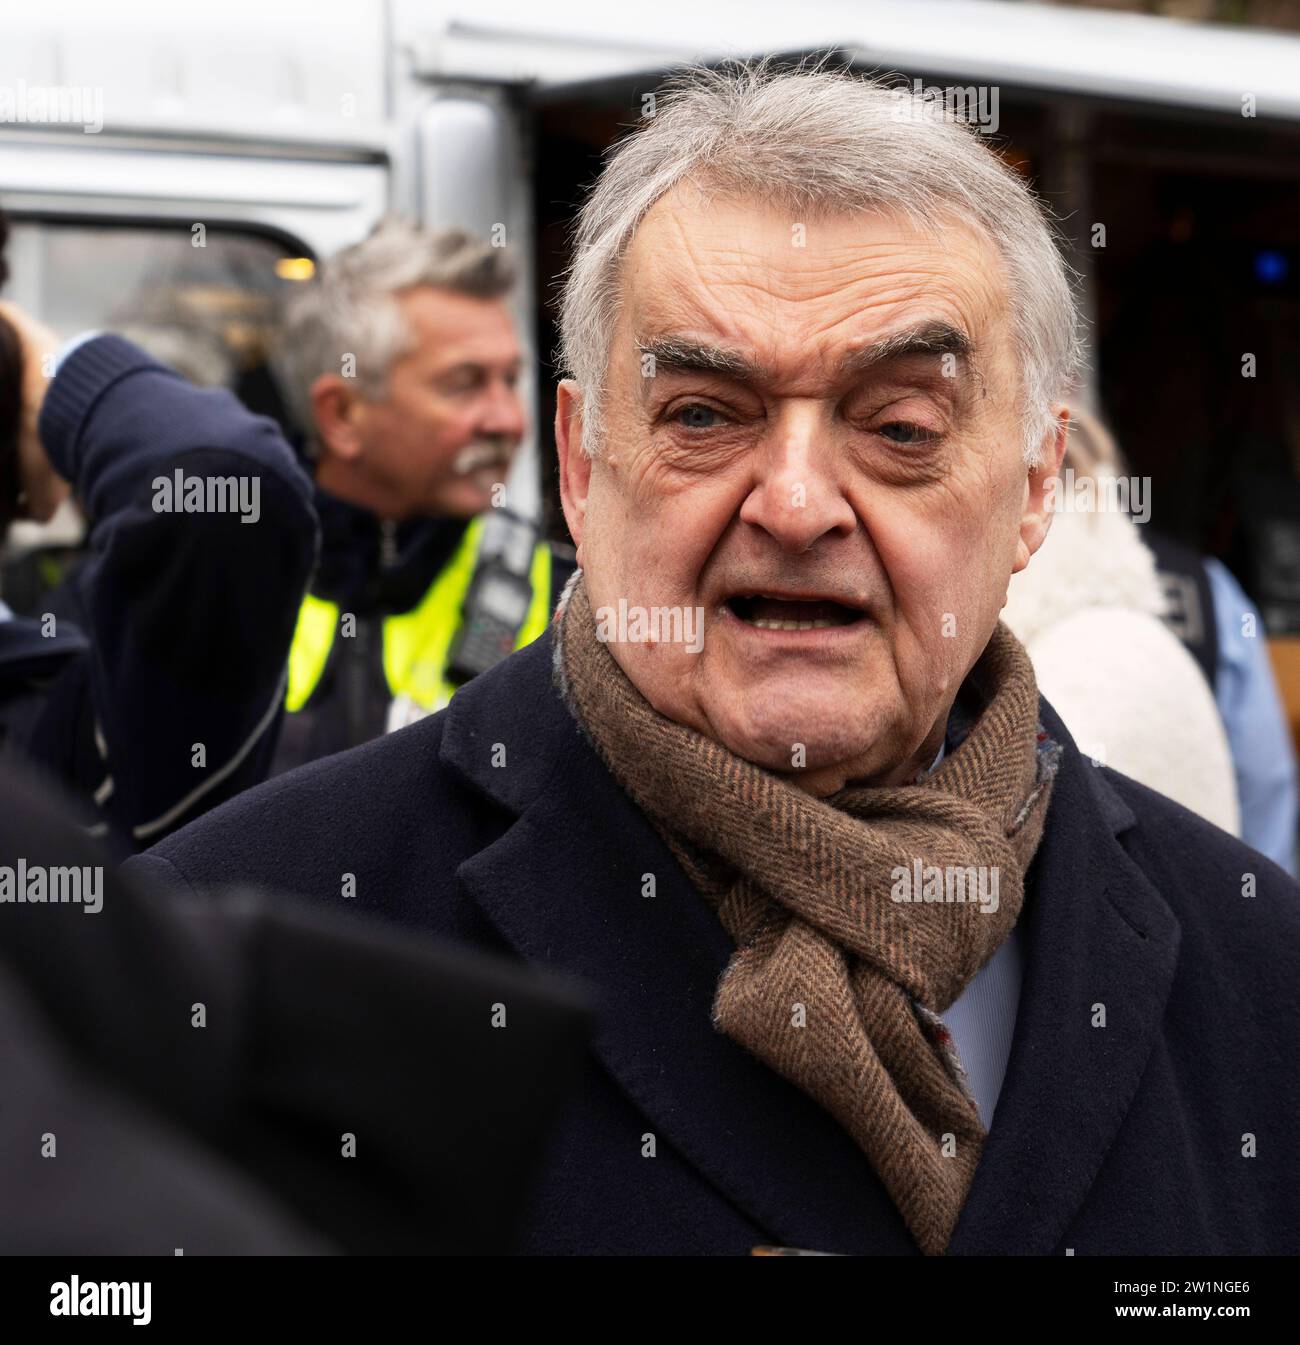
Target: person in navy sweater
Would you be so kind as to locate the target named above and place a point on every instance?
(154, 685)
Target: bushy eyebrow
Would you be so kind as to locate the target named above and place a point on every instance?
(670, 352)
(514, 366)
(929, 338)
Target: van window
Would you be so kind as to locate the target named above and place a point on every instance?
(202, 299)
(205, 302)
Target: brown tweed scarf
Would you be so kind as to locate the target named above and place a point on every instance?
(836, 983)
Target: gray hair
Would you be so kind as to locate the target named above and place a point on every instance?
(351, 305)
(820, 142)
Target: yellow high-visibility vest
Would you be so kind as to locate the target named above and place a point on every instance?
(416, 643)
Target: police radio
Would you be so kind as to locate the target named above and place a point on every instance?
(496, 605)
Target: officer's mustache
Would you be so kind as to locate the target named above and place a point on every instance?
(485, 453)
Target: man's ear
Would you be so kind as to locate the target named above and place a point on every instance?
(335, 406)
(1041, 488)
(575, 466)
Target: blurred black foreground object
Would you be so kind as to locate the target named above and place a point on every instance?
(230, 1137)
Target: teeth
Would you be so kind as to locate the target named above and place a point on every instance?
(769, 623)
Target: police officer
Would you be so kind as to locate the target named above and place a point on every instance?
(401, 363)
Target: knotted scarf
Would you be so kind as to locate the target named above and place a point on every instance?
(843, 960)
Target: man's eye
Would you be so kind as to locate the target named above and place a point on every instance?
(697, 416)
(902, 432)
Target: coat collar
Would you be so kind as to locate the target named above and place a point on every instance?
(564, 885)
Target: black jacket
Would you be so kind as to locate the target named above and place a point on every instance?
(1122, 1139)
(372, 570)
(128, 1127)
(175, 631)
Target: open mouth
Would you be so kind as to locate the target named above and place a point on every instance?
(768, 613)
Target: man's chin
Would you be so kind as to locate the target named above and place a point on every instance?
(476, 492)
(463, 500)
(802, 736)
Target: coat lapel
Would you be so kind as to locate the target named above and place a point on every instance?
(1098, 936)
(565, 884)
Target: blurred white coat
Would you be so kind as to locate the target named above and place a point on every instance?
(1087, 609)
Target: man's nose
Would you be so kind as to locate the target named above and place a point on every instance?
(797, 499)
(503, 411)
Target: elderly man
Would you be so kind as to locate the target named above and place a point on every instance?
(779, 783)
(401, 362)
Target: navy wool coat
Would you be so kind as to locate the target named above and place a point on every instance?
(1173, 1129)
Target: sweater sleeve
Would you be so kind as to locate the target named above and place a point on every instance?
(203, 538)
(1257, 729)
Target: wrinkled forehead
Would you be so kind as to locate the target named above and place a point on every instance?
(443, 328)
(799, 292)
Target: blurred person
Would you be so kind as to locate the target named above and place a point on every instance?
(243, 1075)
(1224, 631)
(1089, 613)
(885, 964)
(1250, 701)
(154, 691)
(402, 363)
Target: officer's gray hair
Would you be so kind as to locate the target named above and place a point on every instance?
(820, 142)
(350, 308)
